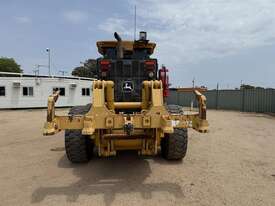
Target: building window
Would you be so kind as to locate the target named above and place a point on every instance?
(61, 89)
(2, 91)
(85, 91)
(27, 91)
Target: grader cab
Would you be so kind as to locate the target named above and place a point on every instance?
(128, 110)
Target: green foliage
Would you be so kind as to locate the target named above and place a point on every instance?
(247, 86)
(87, 70)
(9, 65)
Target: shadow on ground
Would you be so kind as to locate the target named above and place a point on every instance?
(119, 175)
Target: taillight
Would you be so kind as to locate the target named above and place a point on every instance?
(105, 65)
(150, 64)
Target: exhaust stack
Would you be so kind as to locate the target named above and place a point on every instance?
(119, 47)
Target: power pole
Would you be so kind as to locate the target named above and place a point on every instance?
(49, 60)
(135, 23)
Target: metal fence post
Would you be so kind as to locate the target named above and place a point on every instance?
(217, 97)
(242, 99)
(178, 102)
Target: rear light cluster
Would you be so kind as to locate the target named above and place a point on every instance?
(150, 66)
(105, 65)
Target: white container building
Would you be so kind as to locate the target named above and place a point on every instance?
(32, 91)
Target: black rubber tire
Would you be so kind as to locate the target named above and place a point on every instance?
(174, 146)
(79, 148)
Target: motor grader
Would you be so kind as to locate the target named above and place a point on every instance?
(128, 109)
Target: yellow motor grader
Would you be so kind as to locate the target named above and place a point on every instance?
(128, 109)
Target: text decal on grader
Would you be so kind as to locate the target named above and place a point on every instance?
(109, 125)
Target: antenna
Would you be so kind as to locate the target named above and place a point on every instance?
(135, 22)
(37, 67)
(62, 72)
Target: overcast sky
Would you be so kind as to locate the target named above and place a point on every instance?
(225, 41)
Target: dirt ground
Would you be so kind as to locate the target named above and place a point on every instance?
(234, 164)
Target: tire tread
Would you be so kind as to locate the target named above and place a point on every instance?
(174, 146)
(78, 147)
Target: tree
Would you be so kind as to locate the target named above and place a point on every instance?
(88, 69)
(247, 86)
(9, 65)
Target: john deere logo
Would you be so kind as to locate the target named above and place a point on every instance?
(128, 86)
